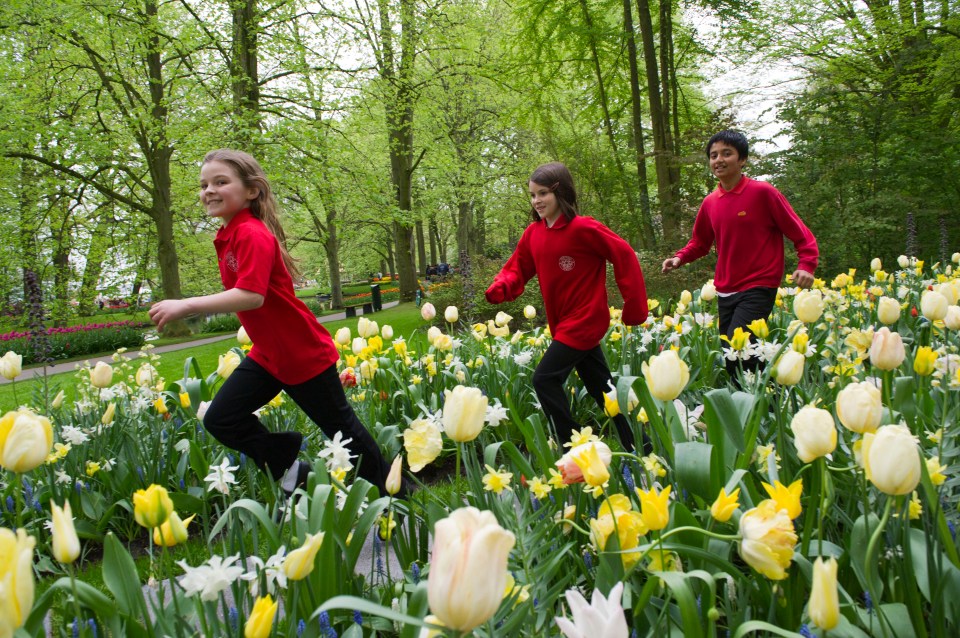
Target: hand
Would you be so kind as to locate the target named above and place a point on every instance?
(163, 312)
(496, 293)
(802, 278)
(671, 264)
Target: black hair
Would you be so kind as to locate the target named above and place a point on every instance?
(556, 176)
(736, 139)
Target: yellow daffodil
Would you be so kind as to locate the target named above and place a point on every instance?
(655, 507)
(725, 505)
(496, 480)
(786, 498)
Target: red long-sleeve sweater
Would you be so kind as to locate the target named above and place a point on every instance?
(569, 259)
(748, 224)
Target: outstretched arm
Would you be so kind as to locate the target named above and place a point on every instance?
(512, 279)
(233, 300)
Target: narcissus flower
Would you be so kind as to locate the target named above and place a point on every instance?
(786, 498)
(468, 571)
(824, 605)
(725, 505)
(767, 539)
(496, 480)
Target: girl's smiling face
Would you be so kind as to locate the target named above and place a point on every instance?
(544, 202)
(222, 192)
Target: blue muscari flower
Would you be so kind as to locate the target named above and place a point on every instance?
(232, 460)
(633, 633)
(627, 477)
(27, 490)
(805, 631)
(10, 504)
(79, 487)
(953, 530)
(182, 484)
(76, 627)
(234, 617)
(536, 601)
(535, 502)
(163, 434)
(86, 486)
(357, 617)
(140, 472)
(177, 422)
(243, 459)
(698, 603)
(303, 445)
(587, 560)
(415, 573)
(37, 506)
(92, 624)
(325, 627)
(301, 627)
(868, 602)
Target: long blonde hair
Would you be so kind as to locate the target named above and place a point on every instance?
(264, 207)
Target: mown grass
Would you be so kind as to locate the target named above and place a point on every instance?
(404, 318)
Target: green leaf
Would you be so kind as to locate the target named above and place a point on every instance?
(680, 587)
(904, 394)
(758, 625)
(859, 539)
(365, 606)
(258, 512)
(725, 415)
(697, 469)
(121, 578)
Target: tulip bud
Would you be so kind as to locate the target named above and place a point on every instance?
(808, 305)
(343, 336)
(101, 375)
(952, 318)
(26, 439)
(260, 621)
(359, 343)
(666, 375)
(387, 333)
(888, 310)
(789, 368)
(451, 314)
(529, 312)
(242, 338)
(464, 413)
(814, 433)
(227, 363)
(16, 576)
(824, 605)
(886, 350)
(933, 305)
(394, 478)
(66, 545)
(108, 414)
(468, 571)
(891, 459)
(708, 292)
(428, 312)
(173, 531)
(876, 264)
(859, 407)
(11, 365)
(58, 400)
(152, 506)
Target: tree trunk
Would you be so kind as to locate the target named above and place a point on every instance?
(434, 235)
(421, 248)
(648, 236)
(244, 74)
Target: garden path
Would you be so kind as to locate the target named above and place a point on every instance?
(70, 366)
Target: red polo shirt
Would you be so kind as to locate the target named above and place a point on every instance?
(288, 341)
(748, 224)
(570, 260)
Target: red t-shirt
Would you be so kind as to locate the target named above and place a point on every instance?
(748, 224)
(288, 341)
(570, 259)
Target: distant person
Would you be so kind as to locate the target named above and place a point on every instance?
(300, 358)
(747, 221)
(569, 253)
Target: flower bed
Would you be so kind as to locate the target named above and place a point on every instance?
(820, 497)
(74, 341)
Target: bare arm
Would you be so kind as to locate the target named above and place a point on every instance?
(233, 300)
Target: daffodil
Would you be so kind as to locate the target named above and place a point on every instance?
(786, 498)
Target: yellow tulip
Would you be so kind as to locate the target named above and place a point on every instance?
(395, 477)
(66, 545)
(101, 375)
(808, 305)
(725, 505)
(739, 340)
(468, 571)
(25, 440)
(423, 443)
(767, 539)
(814, 433)
(655, 507)
(891, 459)
(260, 622)
(859, 407)
(464, 412)
(172, 532)
(161, 405)
(16, 579)
(152, 506)
(611, 407)
(615, 514)
(298, 564)
(184, 399)
(227, 363)
(786, 498)
(824, 605)
(666, 375)
(924, 361)
(759, 327)
(108, 414)
(11, 365)
(595, 472)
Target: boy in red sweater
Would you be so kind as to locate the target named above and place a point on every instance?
(569, 255)
(747, 220)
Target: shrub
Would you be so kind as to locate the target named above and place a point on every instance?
(221, 323)
(467, 293)
(77, 341)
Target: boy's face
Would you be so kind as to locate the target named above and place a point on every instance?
(725, 162)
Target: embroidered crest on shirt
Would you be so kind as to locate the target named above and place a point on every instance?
(567, 263)
(742, 213)
(231, 260)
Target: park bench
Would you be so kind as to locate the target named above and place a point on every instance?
(351, 311)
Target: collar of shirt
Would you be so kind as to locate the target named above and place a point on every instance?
(736, 190)
(559, 222)
(226, 231)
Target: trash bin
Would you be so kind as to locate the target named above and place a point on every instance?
(375, 297)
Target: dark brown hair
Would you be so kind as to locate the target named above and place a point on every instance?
(264, 207)
(556, 176)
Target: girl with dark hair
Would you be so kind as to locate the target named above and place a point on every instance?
(569, 254)
(291, 350)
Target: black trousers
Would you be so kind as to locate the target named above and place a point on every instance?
(548, 379)
(739, 309)
(230, 419)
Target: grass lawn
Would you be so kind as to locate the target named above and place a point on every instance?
(404, 318)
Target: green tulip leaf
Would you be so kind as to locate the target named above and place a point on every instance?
(121, 578)
(697, 469)
(682, 590)
(254, 509)
(753, 626)
(863, 527)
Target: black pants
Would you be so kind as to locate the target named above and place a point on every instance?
(739, 309)
(230, 419)
(552, 372)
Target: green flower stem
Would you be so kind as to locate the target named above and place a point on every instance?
(386, 543)
(76, 602)
(688, 528)
(869, 560)
(456, 475)
(823, 490)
